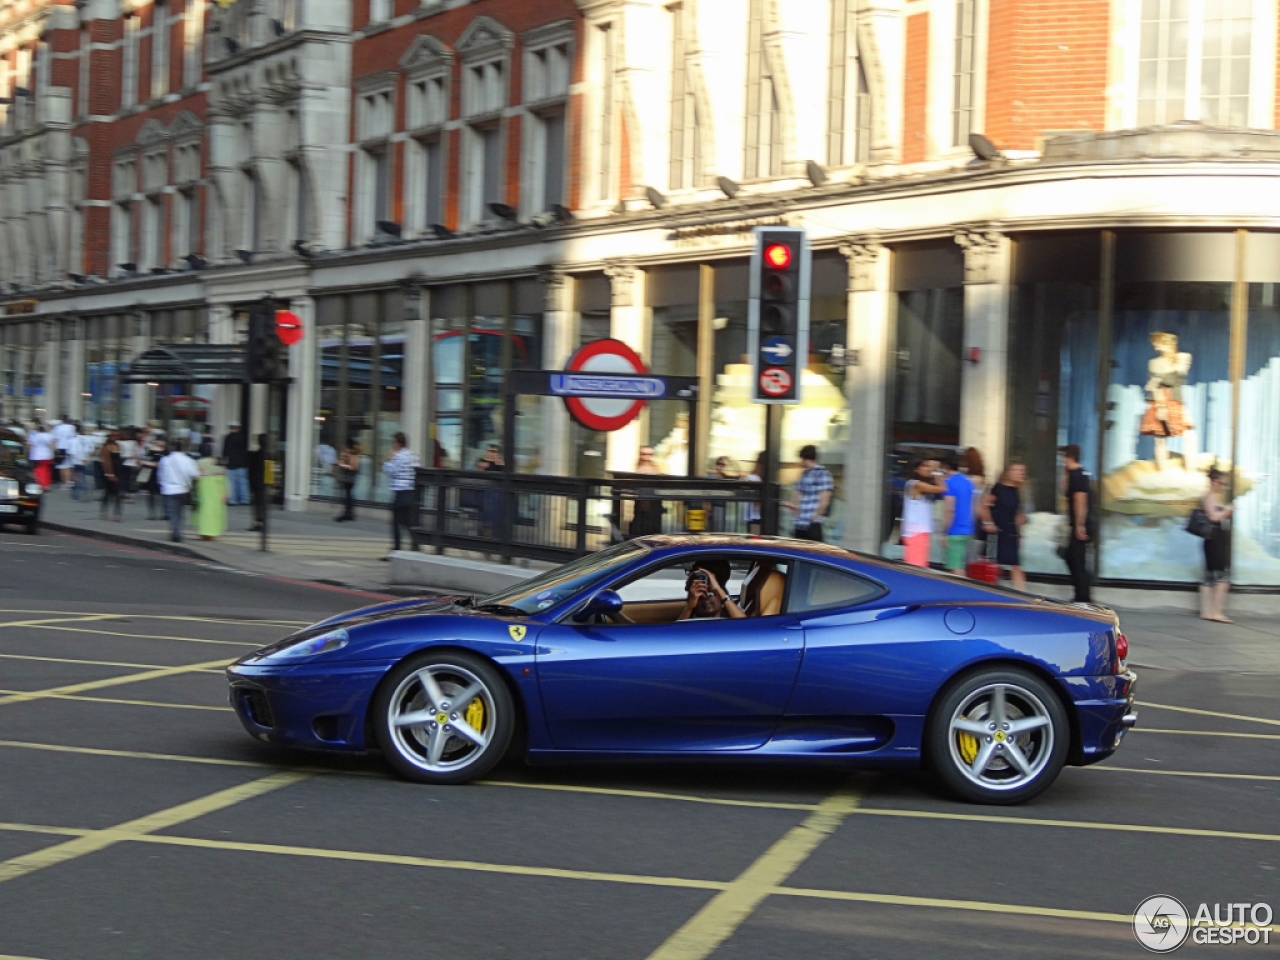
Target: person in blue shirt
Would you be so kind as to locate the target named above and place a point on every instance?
(958, 503)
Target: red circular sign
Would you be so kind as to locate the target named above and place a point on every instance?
(775, 382)
(778, 256)
(604, 356)
(288, 327)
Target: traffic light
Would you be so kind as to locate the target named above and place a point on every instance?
(778, 324)
(264, 346)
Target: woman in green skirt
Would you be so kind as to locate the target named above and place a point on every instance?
(211, 495)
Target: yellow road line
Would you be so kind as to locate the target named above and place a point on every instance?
(29, 863)
(43, 829)
(135, 755)
(652, 795)
(1210, 713)
(87, 663)
(159, 616)
(718, 919)
(1069, 824)
(77, 688)
(1210, 733)
(149, 636)
(121, 701)
(46, 622)
(1188, 773)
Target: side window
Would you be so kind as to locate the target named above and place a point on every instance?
(668, 582)
(819, 587)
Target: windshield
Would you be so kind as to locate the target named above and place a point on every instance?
(555, 586)
(11, 451)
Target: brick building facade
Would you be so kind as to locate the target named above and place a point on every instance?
(448, 189)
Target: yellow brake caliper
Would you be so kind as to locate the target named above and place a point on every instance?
(968, 744)
(475, 717)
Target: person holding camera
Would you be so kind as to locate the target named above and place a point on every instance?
(707, 598)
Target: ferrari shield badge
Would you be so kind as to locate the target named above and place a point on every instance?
(517, 632)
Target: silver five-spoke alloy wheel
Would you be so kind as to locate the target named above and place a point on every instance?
(1001, 736)
(444, 717)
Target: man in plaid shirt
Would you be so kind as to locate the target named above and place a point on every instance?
(401, 478)
(813, 491)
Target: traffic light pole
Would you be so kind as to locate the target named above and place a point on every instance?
(771, 506)
(266, 503)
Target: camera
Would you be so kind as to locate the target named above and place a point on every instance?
(697, 576)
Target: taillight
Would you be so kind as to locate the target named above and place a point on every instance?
(1122, 647)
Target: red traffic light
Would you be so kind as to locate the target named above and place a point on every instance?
(288, 327)
(777, 256)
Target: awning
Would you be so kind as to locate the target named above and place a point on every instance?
(189, 363)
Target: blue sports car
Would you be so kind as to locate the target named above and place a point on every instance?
(710, 646)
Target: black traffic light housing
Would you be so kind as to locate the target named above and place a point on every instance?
(264, 345)
(778, 321)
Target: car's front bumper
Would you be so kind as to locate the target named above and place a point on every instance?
(20, 511)
(1104, 714)
(319, 707)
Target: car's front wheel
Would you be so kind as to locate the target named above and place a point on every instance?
(1001, 736)
(444, 717)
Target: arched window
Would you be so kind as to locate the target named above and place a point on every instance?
(764, 111)
(686, 119)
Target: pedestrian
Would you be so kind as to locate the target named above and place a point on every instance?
(1080, 522)
(112, 468)
(149, 474)
(754, 514)
(491, 498)
(348, 467)
(258, 483)
(81, 453)
(211, 495)
(716, 510)
(959, 498)
(1217, 550)
(177, 473)
(646, 515)
(1003, 518)
(401, 471)
(129, 462)
(64, 433)
(813, 495)
(235, 457)
(40, 453)
(924, 483)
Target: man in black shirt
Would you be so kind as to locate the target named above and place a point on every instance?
(235, 454)
(1079, 521)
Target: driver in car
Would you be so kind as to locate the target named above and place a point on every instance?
(706, 597)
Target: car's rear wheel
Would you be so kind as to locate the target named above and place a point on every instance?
(999, 736)
(33, 527)
(443, 717)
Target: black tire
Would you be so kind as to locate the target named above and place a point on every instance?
(408, 748)
(1043, 750)
(33, 528)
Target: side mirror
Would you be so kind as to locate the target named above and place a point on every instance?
(606, 603)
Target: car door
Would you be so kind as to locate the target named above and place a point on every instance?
(684, 686)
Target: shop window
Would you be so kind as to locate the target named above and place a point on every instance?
(673, 351)
(1255, 528)
(592, 317)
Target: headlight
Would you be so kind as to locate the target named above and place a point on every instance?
(313, 646)
(33, 489)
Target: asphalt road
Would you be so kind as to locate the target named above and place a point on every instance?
(138, 820)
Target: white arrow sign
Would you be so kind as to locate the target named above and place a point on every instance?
(776, 349)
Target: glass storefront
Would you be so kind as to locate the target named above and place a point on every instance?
(23, 366)
(592, 318)
(1172, 370)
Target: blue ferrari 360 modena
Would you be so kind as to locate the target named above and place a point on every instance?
(704, 647)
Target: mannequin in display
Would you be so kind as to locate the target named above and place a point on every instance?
(1164, 416)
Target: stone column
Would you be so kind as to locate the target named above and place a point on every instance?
(557, 340)
(54, 402)
(984, 379)
(867, 375)
(629, 323)
(417, 370)
(226, 396)
(305, 371)
(139, 393)
(75, 371)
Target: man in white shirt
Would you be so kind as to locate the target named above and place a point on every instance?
(81, 453)
(40, 453)
(177, 473)
(63, 433)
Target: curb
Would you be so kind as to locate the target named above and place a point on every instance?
(157, 546)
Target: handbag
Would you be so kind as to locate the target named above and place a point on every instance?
(1199, 525)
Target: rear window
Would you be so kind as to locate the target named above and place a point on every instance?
(819, 587)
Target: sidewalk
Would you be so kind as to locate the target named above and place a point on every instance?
(311, 546)
(302, 546)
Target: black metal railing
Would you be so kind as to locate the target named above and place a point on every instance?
(559, 518)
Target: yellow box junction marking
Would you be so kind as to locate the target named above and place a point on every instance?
(88, 685)
(718, 919)
(1210, 733)
(1209, 713)
(29, 863)
(122, 702)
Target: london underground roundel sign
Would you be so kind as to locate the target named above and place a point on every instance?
(288, 327)
(605, 357)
